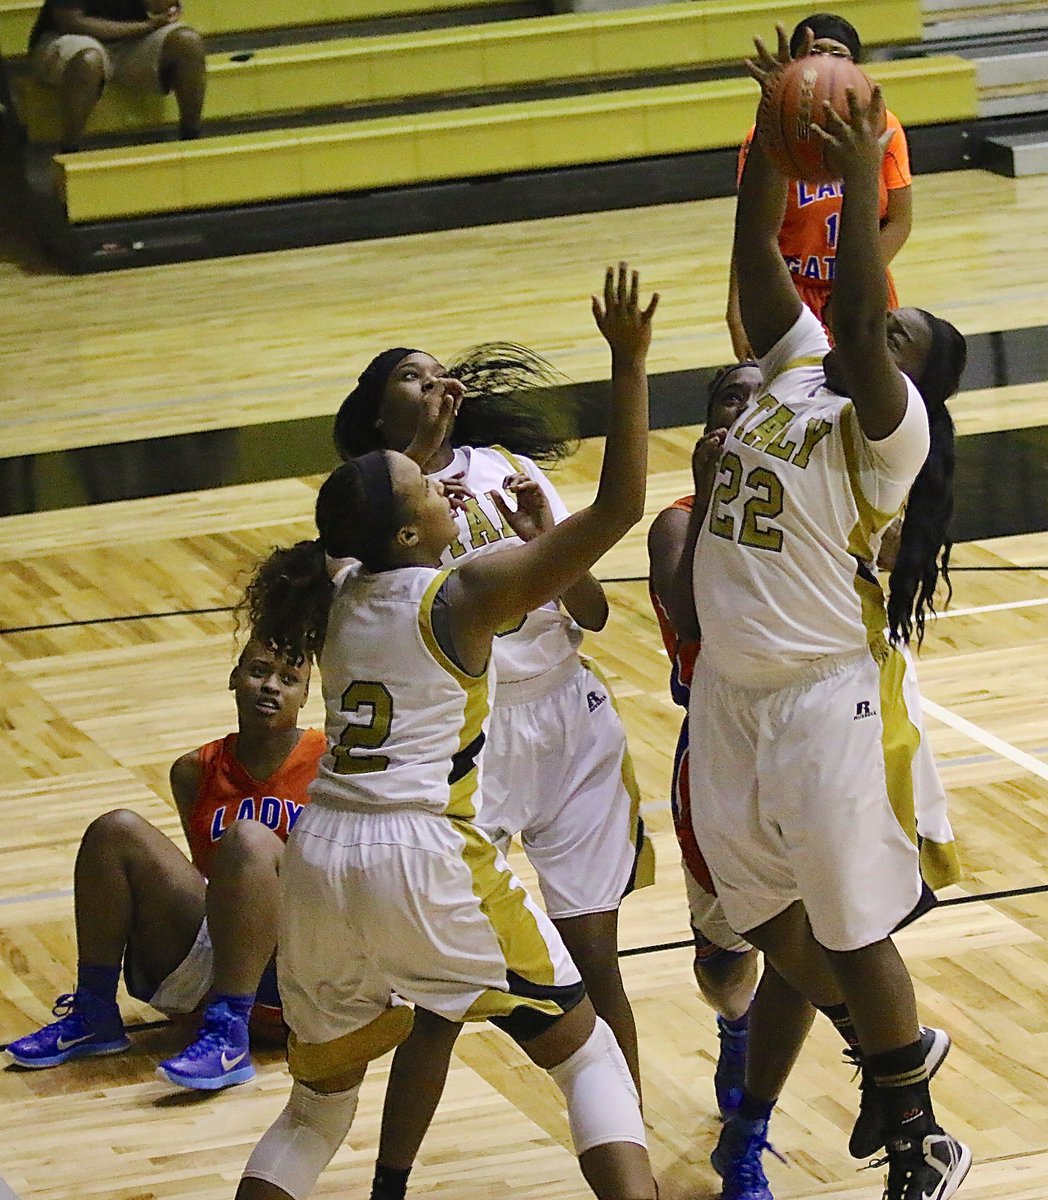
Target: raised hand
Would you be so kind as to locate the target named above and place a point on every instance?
(532, 515)
(854, 146)
(625, 325)
(440, 405)
(704, 460)
(765, 66)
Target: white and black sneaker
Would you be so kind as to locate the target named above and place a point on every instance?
(870, 1130)
(931, 1169)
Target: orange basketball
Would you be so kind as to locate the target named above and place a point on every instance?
(794, 104)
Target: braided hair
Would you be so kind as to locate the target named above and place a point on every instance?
(924, 545)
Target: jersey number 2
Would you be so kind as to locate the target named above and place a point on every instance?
(364, 694)
(765, 504)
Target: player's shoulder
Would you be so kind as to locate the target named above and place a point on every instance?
(892, 121)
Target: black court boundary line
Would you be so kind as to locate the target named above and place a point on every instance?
(644, 578)
(1007, 894)
(636, 951)
(197, 612)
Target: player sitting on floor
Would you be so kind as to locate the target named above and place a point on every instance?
(179, 929)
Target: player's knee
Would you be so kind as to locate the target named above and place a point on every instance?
(249, 844)
(603, 1106)
(303, 1139)
(185, 47)
(120, 828)
(85, 70)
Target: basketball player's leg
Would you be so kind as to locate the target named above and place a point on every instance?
(585, 1061)
(583, 834)
(135, 895)
(417, 1078)
(243, 905)
(848, 822)
(501, 959)
(592, 940)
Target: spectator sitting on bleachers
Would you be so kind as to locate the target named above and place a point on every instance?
(78, 46)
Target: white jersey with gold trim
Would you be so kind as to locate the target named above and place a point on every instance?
(798, 508)
(405, 725)
(548, 636)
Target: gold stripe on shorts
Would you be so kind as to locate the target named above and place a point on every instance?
(899, 740)
(644, 851)
(523, 947)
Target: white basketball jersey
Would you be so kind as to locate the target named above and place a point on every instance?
(548, 635)
(801, 497)
(405, 724)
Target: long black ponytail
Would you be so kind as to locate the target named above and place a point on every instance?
(517, 399)
(924, 544)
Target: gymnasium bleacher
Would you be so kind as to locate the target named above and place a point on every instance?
(331, 120)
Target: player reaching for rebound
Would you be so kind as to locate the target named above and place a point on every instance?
(812, 217)
(182, 929)
(751, 1075)
(391, 892)
(556, 766)
(800, 742)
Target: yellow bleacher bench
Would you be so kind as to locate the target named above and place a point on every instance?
(504, 54)
(385, 152)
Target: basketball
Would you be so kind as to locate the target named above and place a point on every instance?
(794, 104)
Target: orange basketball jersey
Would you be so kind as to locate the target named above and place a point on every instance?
(811, 225)
(227, 793)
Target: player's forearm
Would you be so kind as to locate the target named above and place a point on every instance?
(892, 238)
(623, 475)
(102, 29)
(860, 291)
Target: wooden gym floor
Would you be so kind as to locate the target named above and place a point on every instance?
(116, 646)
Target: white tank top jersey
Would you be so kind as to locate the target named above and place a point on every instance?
(405, 724)
(801, 497)
(548, 636)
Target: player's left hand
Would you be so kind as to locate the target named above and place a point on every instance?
(533, 515)
(853, 148)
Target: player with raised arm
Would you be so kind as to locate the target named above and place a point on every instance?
(393, 894)
(801, 744)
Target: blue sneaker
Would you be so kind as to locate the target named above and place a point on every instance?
(219, 1058)
(85, 1027)
(737, 1159)
(730, 1075)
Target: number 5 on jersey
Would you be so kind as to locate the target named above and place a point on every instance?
(364, 735)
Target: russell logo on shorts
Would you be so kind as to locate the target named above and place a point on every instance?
(863, 710)
(595, 700)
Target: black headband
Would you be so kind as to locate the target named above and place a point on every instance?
(359, 410)
(936, 382)
(378, 517)
(828, 25)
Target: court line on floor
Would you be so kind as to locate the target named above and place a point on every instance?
(222, 608)
(988, 608)
(990, 740)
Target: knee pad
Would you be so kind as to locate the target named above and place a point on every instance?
(602, 1101)
(303, 1139)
